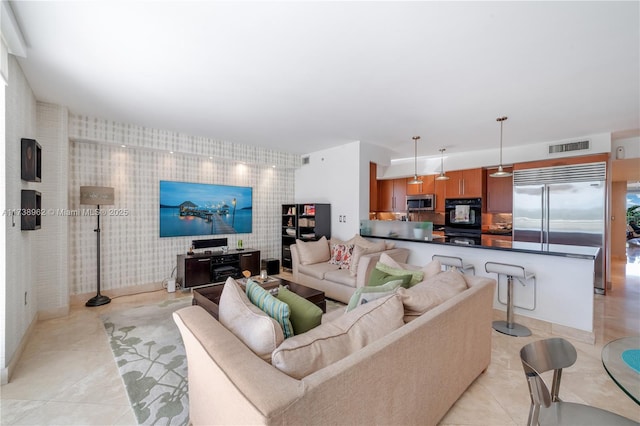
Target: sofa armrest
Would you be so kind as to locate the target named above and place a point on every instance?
(295, 261)
(367, 263)
(229, 384)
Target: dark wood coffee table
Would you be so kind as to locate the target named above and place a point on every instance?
(209, 297)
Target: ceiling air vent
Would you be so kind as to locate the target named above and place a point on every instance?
(306, 160)
(567, 147)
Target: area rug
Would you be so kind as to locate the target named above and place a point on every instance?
(148, 349)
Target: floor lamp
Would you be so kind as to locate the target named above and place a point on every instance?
(97, 195)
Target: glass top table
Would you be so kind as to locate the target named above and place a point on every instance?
(621, 359)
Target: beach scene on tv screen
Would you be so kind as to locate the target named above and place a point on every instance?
(188, 209)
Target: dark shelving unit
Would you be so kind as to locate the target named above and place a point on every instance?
(306, 222)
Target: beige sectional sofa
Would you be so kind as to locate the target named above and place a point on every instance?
(312, 267)
(411, 375)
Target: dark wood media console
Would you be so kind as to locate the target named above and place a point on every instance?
(209, 268)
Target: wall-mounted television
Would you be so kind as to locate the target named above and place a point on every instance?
(188, 209)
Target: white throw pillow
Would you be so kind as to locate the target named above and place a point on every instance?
(390, 261)
(359, 251)
(308, 352)
(431, 292)
(311, 252)
(261, 333)
(432, 269)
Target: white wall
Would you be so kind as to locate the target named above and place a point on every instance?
(51, 241)
(340, 176)
(19, 298)
(630, 148)
(333, 176)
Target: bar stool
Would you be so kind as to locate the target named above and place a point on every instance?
(511, 271)
(452, 262)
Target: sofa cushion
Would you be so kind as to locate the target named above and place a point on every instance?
(377, 277)
(368, 294)
(273, 307)
(432, 269)
(359, 251)
(304, 314)
(430, 293)
(389, 261)
(334, 240)
(341, 255)
(313, 251)
(317, 270)
(340, 276)
(416, 276)
(261, 333)
(326, 344)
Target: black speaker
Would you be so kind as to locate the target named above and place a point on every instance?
(271, 265)
(214, 242)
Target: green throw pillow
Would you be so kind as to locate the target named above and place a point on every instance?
(271, 306)
(378, 277)
(416, 276)
(367, 294)
(304, 314)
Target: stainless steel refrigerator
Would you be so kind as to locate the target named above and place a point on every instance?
(562, 205)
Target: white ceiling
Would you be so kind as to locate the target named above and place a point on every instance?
(304, 76)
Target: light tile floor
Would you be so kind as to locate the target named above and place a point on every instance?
(67, 375)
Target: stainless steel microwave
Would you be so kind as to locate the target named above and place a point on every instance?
(417, 203)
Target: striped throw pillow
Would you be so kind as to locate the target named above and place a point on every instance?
(271, 306)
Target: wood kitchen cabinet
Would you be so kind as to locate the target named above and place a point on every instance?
(392, 194)
(426, 187)
(564, 161)
(373, 187)
(499, 194)
(467, 183)
(440, 187)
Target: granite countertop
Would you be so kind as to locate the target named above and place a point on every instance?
(581, 252)
(505, 232)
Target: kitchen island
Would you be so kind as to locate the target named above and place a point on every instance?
(562, 298)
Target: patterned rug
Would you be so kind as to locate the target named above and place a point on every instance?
(151, 359)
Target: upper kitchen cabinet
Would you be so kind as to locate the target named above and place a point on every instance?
(467, 183)
(373, 187)
(392, 194)
(426, 187)
(564, 161)
(440, 187)
(499, 197)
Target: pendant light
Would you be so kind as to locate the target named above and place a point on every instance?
(501, 172)
(415, 180)
(442, 176)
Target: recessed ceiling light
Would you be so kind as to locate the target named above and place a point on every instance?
(123, 146)
(170, 152)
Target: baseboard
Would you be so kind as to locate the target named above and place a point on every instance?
(81, 299)
(7, 372)
(549, 327)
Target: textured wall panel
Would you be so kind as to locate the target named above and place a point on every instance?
(132, 251)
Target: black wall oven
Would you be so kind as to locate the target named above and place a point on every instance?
(463, 220)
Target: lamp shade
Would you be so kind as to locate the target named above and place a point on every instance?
(96, 195)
